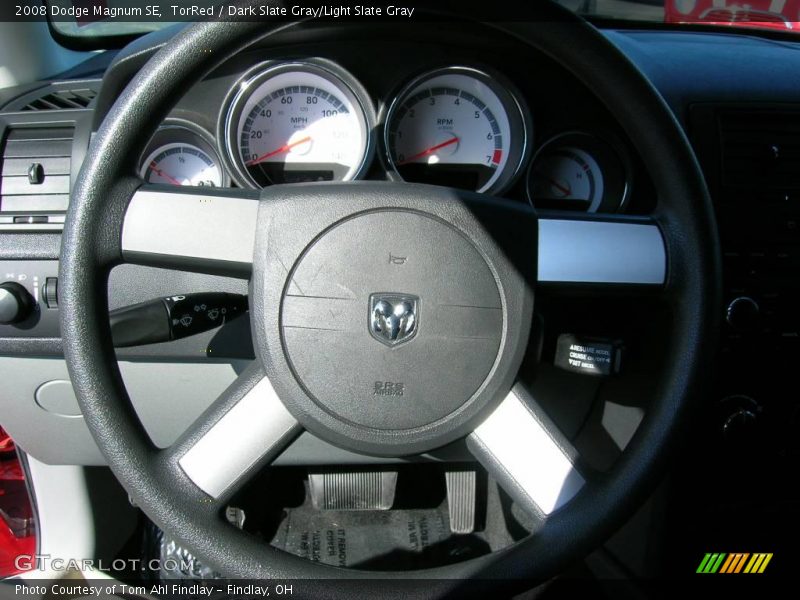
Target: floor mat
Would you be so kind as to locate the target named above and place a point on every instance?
(388, 539)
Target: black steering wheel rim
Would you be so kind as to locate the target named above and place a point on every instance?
(91, 247)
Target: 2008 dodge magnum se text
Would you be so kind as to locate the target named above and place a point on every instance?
(413, 299)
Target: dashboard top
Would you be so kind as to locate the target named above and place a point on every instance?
(671, 58)
(693, 66)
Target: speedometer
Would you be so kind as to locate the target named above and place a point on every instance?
(458, 127)
(295, 122)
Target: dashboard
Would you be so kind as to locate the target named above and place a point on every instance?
(472, 120)
(309, 120)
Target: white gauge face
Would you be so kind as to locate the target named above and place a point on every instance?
(568, 174)
(454, 129)
(300, 125)
(181, 164)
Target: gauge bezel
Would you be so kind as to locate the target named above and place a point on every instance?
(253, 78)
(517, 113)
(602, 140)
(182, 128)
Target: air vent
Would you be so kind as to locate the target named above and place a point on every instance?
(62, 99)
(760, 152)
(35, 174)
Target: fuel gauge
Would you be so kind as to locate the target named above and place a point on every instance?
(181, 153)
(181, 164)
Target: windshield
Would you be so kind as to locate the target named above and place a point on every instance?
(109, 18)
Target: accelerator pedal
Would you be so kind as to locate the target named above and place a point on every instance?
(461, 496)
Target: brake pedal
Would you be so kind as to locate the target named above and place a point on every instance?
(359, 490)
(461, 497)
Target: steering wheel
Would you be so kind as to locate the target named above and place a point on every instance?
(445, 332)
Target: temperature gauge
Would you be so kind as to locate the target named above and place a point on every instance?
(578, 171)
(567, 175)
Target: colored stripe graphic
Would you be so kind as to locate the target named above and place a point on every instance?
(758, 563)
(711, 562)
(721, 562)
(734, 563)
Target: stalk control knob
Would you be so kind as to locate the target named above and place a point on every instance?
(16, 303)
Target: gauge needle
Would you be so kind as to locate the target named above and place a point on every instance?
(428, 151)
(281, 150)
(166, 176)
(564, 189)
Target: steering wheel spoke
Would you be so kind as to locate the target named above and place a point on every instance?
(240, 433)
(528, 455)
(192, 229)
(601, 251)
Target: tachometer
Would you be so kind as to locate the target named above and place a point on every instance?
(297, 122)
(457, 127)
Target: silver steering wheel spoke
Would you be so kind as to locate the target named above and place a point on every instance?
(526, 453)
(204, 230)
(601, 251)
(242, 432)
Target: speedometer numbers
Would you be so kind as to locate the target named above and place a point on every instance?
(457, 127)
(296, 122)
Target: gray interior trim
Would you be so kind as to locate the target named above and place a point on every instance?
(167, 397)
(257, 426)
(66, 524)
(193, 231)
(515, 443)
(588, 251)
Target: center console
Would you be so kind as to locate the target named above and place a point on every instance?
(751, 158)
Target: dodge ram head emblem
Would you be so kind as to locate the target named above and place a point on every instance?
(393, 317)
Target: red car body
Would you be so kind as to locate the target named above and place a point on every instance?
(771, 14)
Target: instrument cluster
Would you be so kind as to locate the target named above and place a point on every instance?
(458, 126)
